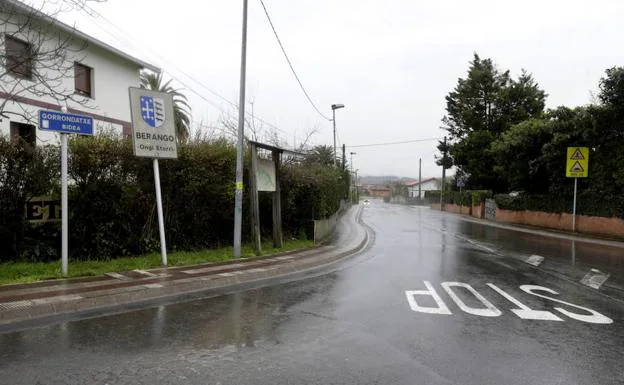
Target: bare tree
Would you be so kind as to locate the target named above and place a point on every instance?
(254, 129)
(38, 57)
(257, 130)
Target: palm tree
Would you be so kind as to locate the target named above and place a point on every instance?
(181, 108)
(322, 154)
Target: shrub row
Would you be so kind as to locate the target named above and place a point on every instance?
(112, 198)
(588, 203)
(460, 198)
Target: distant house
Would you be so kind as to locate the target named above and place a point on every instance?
(379, 191)
(50, 65)
(426, 185)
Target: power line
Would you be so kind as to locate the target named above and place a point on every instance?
(279, 41)
(395, 143)
(90, 11)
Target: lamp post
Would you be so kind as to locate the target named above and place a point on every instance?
(353, 184)
(335, 107)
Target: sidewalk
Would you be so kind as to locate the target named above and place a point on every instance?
(555, 233)
(30, 302)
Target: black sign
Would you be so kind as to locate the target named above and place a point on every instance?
(43, 209)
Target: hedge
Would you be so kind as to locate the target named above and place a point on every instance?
(112, 204)
(466, 197)
(590, 203)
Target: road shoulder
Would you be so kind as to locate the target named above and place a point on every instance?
(23, 306)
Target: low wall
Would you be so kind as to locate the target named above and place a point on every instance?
(456, 209)
(324, 228)
(613, 227)
(478, 211)
(563, 221)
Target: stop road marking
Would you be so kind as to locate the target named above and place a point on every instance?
(489, 310)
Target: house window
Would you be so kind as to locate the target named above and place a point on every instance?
(18, 56)
(24, 132)
(82, 79)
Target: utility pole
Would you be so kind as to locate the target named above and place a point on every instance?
(344, 157)
(334, 120)
(352, 175)
(443, 176)
(419, 179)
(238, 194)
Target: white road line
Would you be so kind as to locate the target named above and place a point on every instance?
(478, 245)
(489, 311)
(524, 311)
(594, 318)
(119, 276)
(595, 278)
(534, 260)
(411, 299)
(153, 286)
(146, 273)
(209, 269)
(60, 298)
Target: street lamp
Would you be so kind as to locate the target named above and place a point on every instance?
(353, 182)
(335, 107)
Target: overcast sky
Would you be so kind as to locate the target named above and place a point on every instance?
(391, 62)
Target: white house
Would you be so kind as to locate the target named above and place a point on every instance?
(46, 64)
(429, 184)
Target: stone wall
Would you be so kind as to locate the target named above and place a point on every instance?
(563, 221)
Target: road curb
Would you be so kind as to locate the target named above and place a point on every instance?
(18, 316)
(542, 231)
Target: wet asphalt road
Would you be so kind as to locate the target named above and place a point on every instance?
(430, 302)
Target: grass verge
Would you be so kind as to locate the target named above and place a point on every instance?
(32, 272)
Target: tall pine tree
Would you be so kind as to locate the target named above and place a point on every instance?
(479, 110)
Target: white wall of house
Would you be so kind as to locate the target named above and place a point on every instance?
(111, 76)
(429, 185)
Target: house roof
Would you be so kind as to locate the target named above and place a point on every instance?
(73, 31)
(416, 183)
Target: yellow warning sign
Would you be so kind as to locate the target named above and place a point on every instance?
(577, 162)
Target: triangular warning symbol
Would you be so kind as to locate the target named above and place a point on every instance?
(577, 167)
(577, 155)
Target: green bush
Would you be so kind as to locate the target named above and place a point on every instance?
(479, 196)
(464, 198)
(432, 196)
(588, 203)
(309, 192)
(25, 172)
(112, 198)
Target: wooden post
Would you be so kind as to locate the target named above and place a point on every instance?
(278, 237)
(255, 206)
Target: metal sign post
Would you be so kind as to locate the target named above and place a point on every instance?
(154, 136)
(64, 124)
(574, 206)
(64, 208)
(577, 165)
(159, 209)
